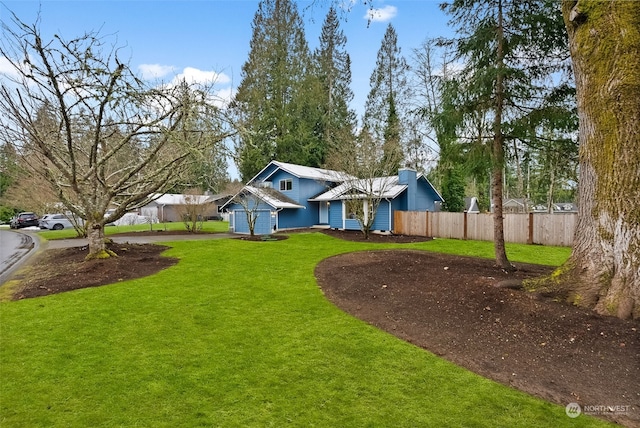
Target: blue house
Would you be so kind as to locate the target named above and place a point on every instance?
(287, 196)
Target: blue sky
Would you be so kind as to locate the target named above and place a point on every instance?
(204, 38)
(200, 37)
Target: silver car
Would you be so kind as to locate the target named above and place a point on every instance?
(55, 222)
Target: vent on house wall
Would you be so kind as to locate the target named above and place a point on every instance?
(265, 185)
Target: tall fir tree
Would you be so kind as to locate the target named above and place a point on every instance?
(511, 51)
(333, 68)
(275, 102)
(387, 102)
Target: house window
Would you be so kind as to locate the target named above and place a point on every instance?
(286, 184)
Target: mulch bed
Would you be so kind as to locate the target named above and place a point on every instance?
(451, 306)
(60, 270)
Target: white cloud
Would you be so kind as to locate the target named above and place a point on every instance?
(7, 68)
(223, 97)
(381, 15)
(194, 75)
(155, 71)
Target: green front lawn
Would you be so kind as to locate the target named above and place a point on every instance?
(207, 226)
(239, 334)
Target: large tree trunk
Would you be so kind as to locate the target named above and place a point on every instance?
(604, 269)
(97, 243)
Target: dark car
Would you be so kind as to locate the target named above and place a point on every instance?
(24, 220)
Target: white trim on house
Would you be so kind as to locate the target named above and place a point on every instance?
(382, 187)
(266, 197)
(301, 171)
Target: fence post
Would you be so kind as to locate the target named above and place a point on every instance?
(426, 228)
(396, 220)
(465, 226)
(530, 238)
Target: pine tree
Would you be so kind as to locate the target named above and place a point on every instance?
(386, 105)
(333, 69)
(275, 102)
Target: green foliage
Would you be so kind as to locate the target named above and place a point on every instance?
(277, 99)
(453, 190)
(385, 108)
(536, 99)
(246, 340)
(6, 213)
(392, 153)
(209, 168)
(505, 83)
(333, 68)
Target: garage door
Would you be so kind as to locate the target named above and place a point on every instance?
(263, 223)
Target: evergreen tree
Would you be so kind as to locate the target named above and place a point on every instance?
(275, 106)
(386, 105)
(453, 190)
(333, 68)
(511, 51)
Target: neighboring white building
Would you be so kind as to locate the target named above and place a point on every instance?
(170, 207)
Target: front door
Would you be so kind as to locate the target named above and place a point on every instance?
(324, 213)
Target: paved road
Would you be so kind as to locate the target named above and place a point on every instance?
(15, 247)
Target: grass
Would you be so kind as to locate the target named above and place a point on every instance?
(519, 253)
(207, 226)
(238, 334)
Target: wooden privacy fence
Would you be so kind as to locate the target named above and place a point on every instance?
(544, 229)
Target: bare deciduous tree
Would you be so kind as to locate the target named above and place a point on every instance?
(98, 135)
(193, 210)
(251, 199)
(366, 176)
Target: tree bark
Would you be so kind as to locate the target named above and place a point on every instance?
(498, 154)
(604, 269)
(97, 244)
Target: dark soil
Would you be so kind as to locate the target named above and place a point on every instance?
(459, 308)
(378, 238)
(264, 238)
(449, 305)
(56, 271)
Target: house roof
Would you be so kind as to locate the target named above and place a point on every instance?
(269, 196)
(517, 201)
(179, 199)
(301, 171)
(383, 187)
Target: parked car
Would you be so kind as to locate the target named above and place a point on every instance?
(26, 219)
(55, 222)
